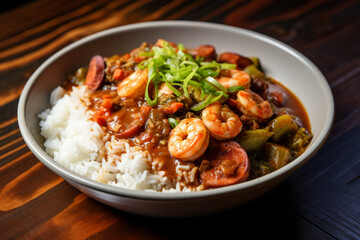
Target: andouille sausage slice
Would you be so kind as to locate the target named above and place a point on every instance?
(235, 58)
(135, 127)
(95, 74)
(206, 51)
(229, 164)
(130, 132)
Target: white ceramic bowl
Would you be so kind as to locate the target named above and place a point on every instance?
(279, 60)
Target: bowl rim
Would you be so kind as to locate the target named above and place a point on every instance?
(171, 196)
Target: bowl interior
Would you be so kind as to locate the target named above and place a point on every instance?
(279, 61)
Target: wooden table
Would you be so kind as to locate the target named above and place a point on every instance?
(320, 201)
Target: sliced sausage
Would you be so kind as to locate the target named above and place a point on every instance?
(277, 98)
(95, 74)
(130, 132)
(206, 51)
(135, 127)
(229, 164)
(235, 58)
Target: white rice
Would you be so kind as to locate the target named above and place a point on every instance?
(82, 146)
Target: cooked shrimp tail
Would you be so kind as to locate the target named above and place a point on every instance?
(134, 85)
(252, 105)
(222, 123)
(234, 78)
(189, 139)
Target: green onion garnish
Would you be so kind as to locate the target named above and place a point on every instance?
(179, 70)
(209, 100)
(235, 88)
(173, 122)
(214, 82)
(146, 54)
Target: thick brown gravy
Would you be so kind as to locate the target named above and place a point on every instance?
(291, 103)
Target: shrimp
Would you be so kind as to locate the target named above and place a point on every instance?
(189, 139)
(134, 85)
(252, 105)
(222, 123)
(165, 90)
(233, 78)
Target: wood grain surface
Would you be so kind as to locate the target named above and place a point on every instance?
(320, 201)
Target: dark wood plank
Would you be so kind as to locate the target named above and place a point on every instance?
(272, 216)
(327, 189)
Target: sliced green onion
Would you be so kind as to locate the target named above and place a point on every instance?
(209, 88)
(143, 64)
(180, 46)
(209, 100)
(227, 66)
(208, 72)
(151, 76)
(173, 122)
(235, 88)
(190, 63)
(203, 94)
(195, 84)
(217, 98)
(209, 65)
(216, 84)
(174, 90)
(179, 70)
(186, 81)
(165, 79)
(201, 105)
(146, 54)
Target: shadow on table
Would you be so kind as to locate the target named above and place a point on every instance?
(271, 216)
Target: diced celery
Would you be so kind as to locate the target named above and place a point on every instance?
(282, 127)
(299, 141)
(278, 156)
(253, 71)
(252, 140)
(255, 61)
